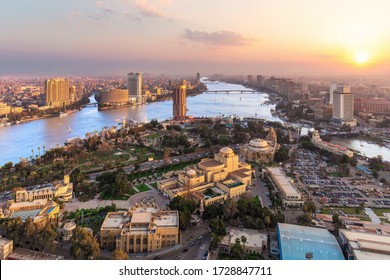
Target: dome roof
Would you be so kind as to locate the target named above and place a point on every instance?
(258, 144)
(226, 150)
(69, 226)
(191, 173)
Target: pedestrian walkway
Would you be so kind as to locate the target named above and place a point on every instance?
(374, 218)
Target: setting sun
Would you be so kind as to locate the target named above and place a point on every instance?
(361, 58)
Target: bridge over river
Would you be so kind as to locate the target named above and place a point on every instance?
(232, 91)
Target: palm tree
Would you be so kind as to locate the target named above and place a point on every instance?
(243, 240)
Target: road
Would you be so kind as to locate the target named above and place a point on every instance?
(260, 190)
(154, 164)
(195, 241)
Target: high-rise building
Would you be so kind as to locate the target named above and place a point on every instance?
(260, 80)
(250, 79)
(180, 102)
(332, 89)
(343, 106)
(57, 93)
(134, 87)
(197, 76)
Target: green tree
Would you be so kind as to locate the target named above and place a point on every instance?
(218, 229)
(83, 245)
(343, 169)
(282, 154)
(46, 238)
(120, 184)
(304, 219)
(236, 252)
(243, 240)
(185, 207)
(118, 254)
(230, 209)
(267, 221)
(309, 207)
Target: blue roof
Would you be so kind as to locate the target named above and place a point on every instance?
(295, 241)
(26, 214)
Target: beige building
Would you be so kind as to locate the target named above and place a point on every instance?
(142, 229)
(211, 180)
(40, 211)
(57, 93)
(134, 88)
(359, 245)
(343, 106)
(259, 150)
(333, 148)
(256, 241)
(62, 191)
(115, 96)
(6, 248)
(67, 231)
(4, 109)
(290, 195)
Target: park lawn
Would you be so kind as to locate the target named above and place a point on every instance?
(142, 188)
(131, 192)
(380, 211)
(154, 185)
(257, 200)
(334, 174)
(92, 218)
(346, 210)
(106, 196)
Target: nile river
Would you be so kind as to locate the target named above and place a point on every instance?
(19, 140)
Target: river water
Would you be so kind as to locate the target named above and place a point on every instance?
(19, 140)
(369, 149)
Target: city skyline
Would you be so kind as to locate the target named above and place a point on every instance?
(170, 36)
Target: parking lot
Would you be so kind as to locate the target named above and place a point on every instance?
(313, 171)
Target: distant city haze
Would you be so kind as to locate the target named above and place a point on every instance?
(104, 37)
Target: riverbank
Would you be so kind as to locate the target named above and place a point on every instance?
(36, 118)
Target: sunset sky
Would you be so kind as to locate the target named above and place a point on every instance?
(89, 37)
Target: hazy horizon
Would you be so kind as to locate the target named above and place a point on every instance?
(283, 38)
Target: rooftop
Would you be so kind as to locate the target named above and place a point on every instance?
(141, 217)
(368, 246)
(114, 220)
(238, 174)
(282, 181)
(24, 215)
(38, 202)
(210, 163)
(168, 219)
(25, 254)
(295, 241)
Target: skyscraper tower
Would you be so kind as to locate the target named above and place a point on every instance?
(134, 87)
(343, 105)
(180, 102)
(57, 93)
(197, 76)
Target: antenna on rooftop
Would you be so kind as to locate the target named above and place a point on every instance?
(309, 256)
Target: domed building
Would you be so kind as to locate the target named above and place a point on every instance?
(212, 180)
(260, 150)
